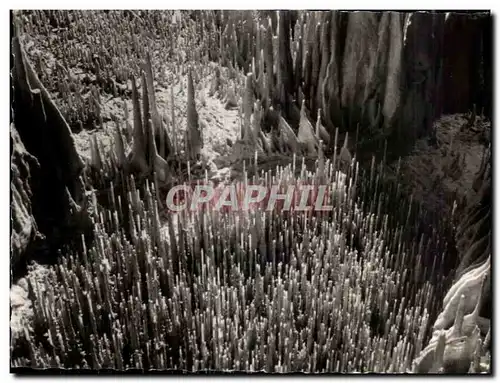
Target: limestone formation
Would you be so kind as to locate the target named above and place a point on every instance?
(358, 288)
(306, 136)
(46, 185)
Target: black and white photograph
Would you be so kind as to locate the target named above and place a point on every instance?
(251, 192)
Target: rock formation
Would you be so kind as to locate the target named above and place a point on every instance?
(386, 73)
(46, 189)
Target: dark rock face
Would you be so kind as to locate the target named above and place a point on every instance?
(24, 226)
(383, 74)
(361, 84)
(46, 189)
(391, 74)
(332, 116)
(422, 54)
(467, 63)
(285, 72)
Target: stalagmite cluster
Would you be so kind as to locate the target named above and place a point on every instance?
(243, 291)
(364, 287)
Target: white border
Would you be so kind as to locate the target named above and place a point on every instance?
(258, 4)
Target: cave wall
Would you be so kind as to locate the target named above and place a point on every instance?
(467, 64)
(47, 191)
(390, 74)
(395, 73)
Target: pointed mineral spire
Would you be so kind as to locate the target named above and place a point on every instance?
(174, 131)
(137, 157)
(138, 131)
(260, 77)
(194, 142)
(260, 68)
(95, 155)
(305, 134)
(157, 164)
(162, 136)
(321, 161)
(345, 157)
(257, 118)
(321, 132)
(439, 354)
(247, 108)
(288, 136)
(253, 70)
(346, 140)
(161, 133)
(318, 121)
(487, 340)
(145, 105)
(119, 146)
(152, 151)
(298, 68)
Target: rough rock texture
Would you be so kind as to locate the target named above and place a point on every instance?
(46, 187)
(376, 76)
(456, 344)
(23, 223)
(467, 68)
(285, 65)
(422, 54)
(474, 234)
(194, 141)
(389, 74)
(466, 309)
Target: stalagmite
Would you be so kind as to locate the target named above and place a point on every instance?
(305, 135)
(247, 109)
(137, 157)
(158, 165)
(161, 132)
(345, 157)
(174, 126)
(470, 286)
(288, 137)
(320, 130)
(193, 133)
(119, 146)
